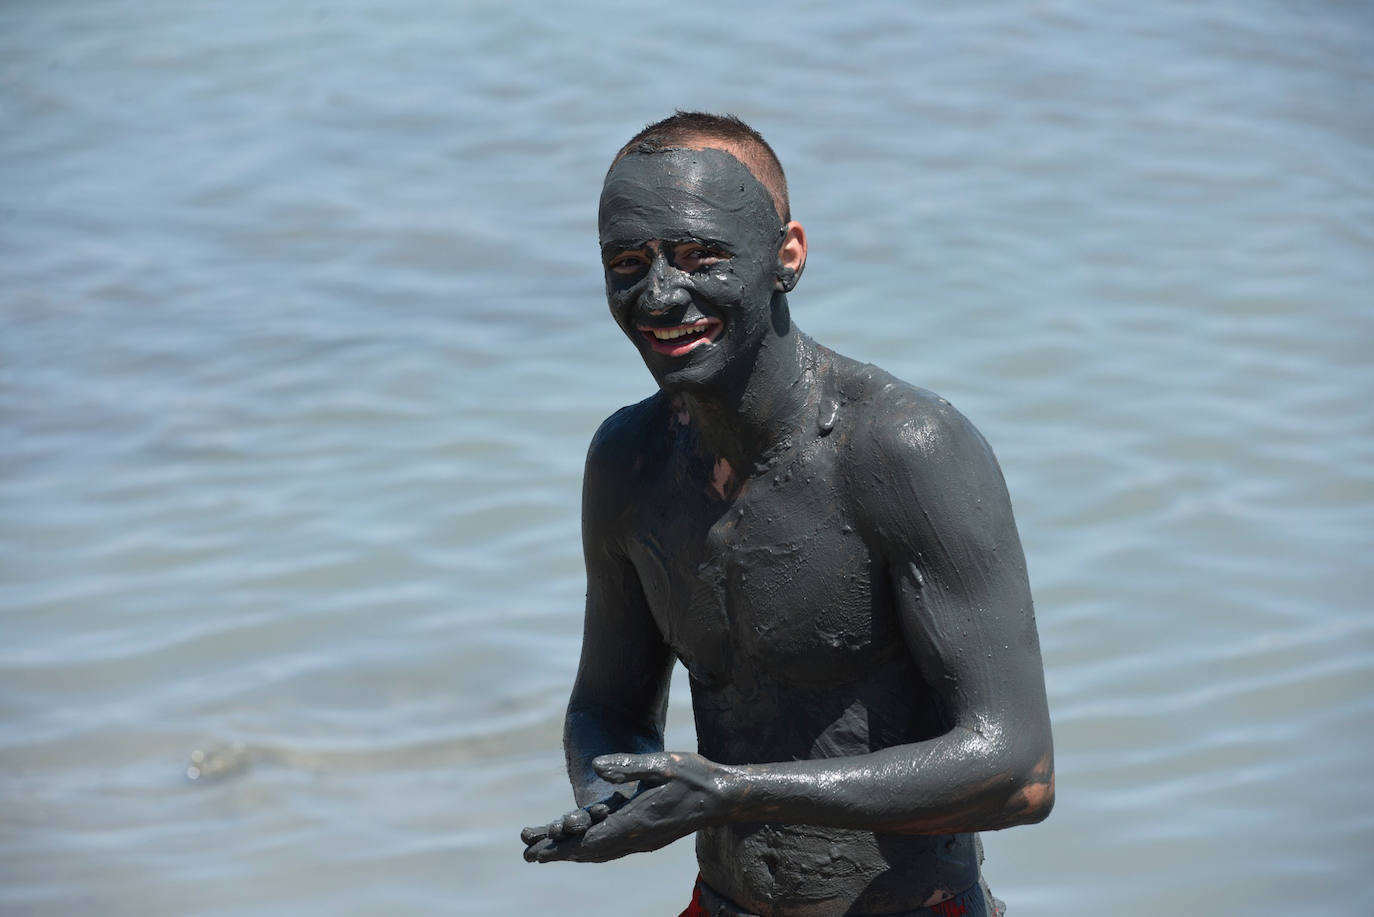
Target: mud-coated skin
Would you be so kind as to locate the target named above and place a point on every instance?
(831, 554)
(705, 196)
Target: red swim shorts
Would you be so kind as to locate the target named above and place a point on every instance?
(696, 908)
(974, 902)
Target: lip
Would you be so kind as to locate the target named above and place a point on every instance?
(677, 340)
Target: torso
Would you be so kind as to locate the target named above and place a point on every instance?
(768, 588)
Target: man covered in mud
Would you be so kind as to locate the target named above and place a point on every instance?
(829, 551)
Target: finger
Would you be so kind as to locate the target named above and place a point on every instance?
(533, 851)
(600, 810)
(550, 851)
(624, 768)
(534, 835)
(600, 843)
(573, 849)
(576, 821)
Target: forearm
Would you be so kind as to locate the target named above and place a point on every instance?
(959, 782)
(591, 730)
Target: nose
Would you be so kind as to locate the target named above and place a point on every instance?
(666, 289)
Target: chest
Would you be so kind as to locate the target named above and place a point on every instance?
(774, 583)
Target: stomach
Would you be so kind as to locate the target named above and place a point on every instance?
(815, 871)
(799, 869)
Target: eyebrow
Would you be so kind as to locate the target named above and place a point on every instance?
(615, 247)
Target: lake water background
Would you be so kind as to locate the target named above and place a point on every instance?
(303, 337)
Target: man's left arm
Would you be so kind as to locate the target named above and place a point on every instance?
(935, 506)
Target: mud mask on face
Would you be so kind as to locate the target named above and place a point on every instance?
(662, 204)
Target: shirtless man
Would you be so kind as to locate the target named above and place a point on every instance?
(829, 551)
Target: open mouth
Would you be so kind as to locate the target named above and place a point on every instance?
(680, 339)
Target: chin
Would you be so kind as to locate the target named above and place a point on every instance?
(687, 379)
(711, 372)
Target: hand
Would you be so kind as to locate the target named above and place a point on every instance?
(678, 794)
(572, 824)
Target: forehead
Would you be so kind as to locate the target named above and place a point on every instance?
(680, 194)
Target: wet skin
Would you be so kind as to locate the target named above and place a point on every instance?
(831, 554)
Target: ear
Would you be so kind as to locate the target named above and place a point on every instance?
(791, 257)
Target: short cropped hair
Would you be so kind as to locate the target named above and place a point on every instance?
(695, 130)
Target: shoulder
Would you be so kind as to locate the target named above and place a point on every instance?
(916, 464)
(895, 422)
(623, 453)
(621, 442)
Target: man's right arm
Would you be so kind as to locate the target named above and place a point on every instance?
(620, 697)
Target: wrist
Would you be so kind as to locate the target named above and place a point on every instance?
(731, 792)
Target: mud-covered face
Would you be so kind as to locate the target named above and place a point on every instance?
(689, 240)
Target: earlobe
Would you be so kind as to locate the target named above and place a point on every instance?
(791, 257)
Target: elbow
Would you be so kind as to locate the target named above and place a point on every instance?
(1032, 799)
(1019, 781)
(1023, 760)
(1032, 803)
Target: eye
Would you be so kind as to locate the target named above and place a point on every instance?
(627, 262)
(695, 256)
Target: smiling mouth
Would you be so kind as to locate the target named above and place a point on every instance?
(680, 339)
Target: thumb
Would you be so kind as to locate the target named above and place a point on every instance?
(624, 768)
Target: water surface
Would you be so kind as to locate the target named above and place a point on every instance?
(304, 337)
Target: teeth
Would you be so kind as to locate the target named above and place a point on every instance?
(672, 334)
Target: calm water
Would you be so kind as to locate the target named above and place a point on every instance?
(303, 339)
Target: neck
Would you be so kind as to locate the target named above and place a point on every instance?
(744, 419)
